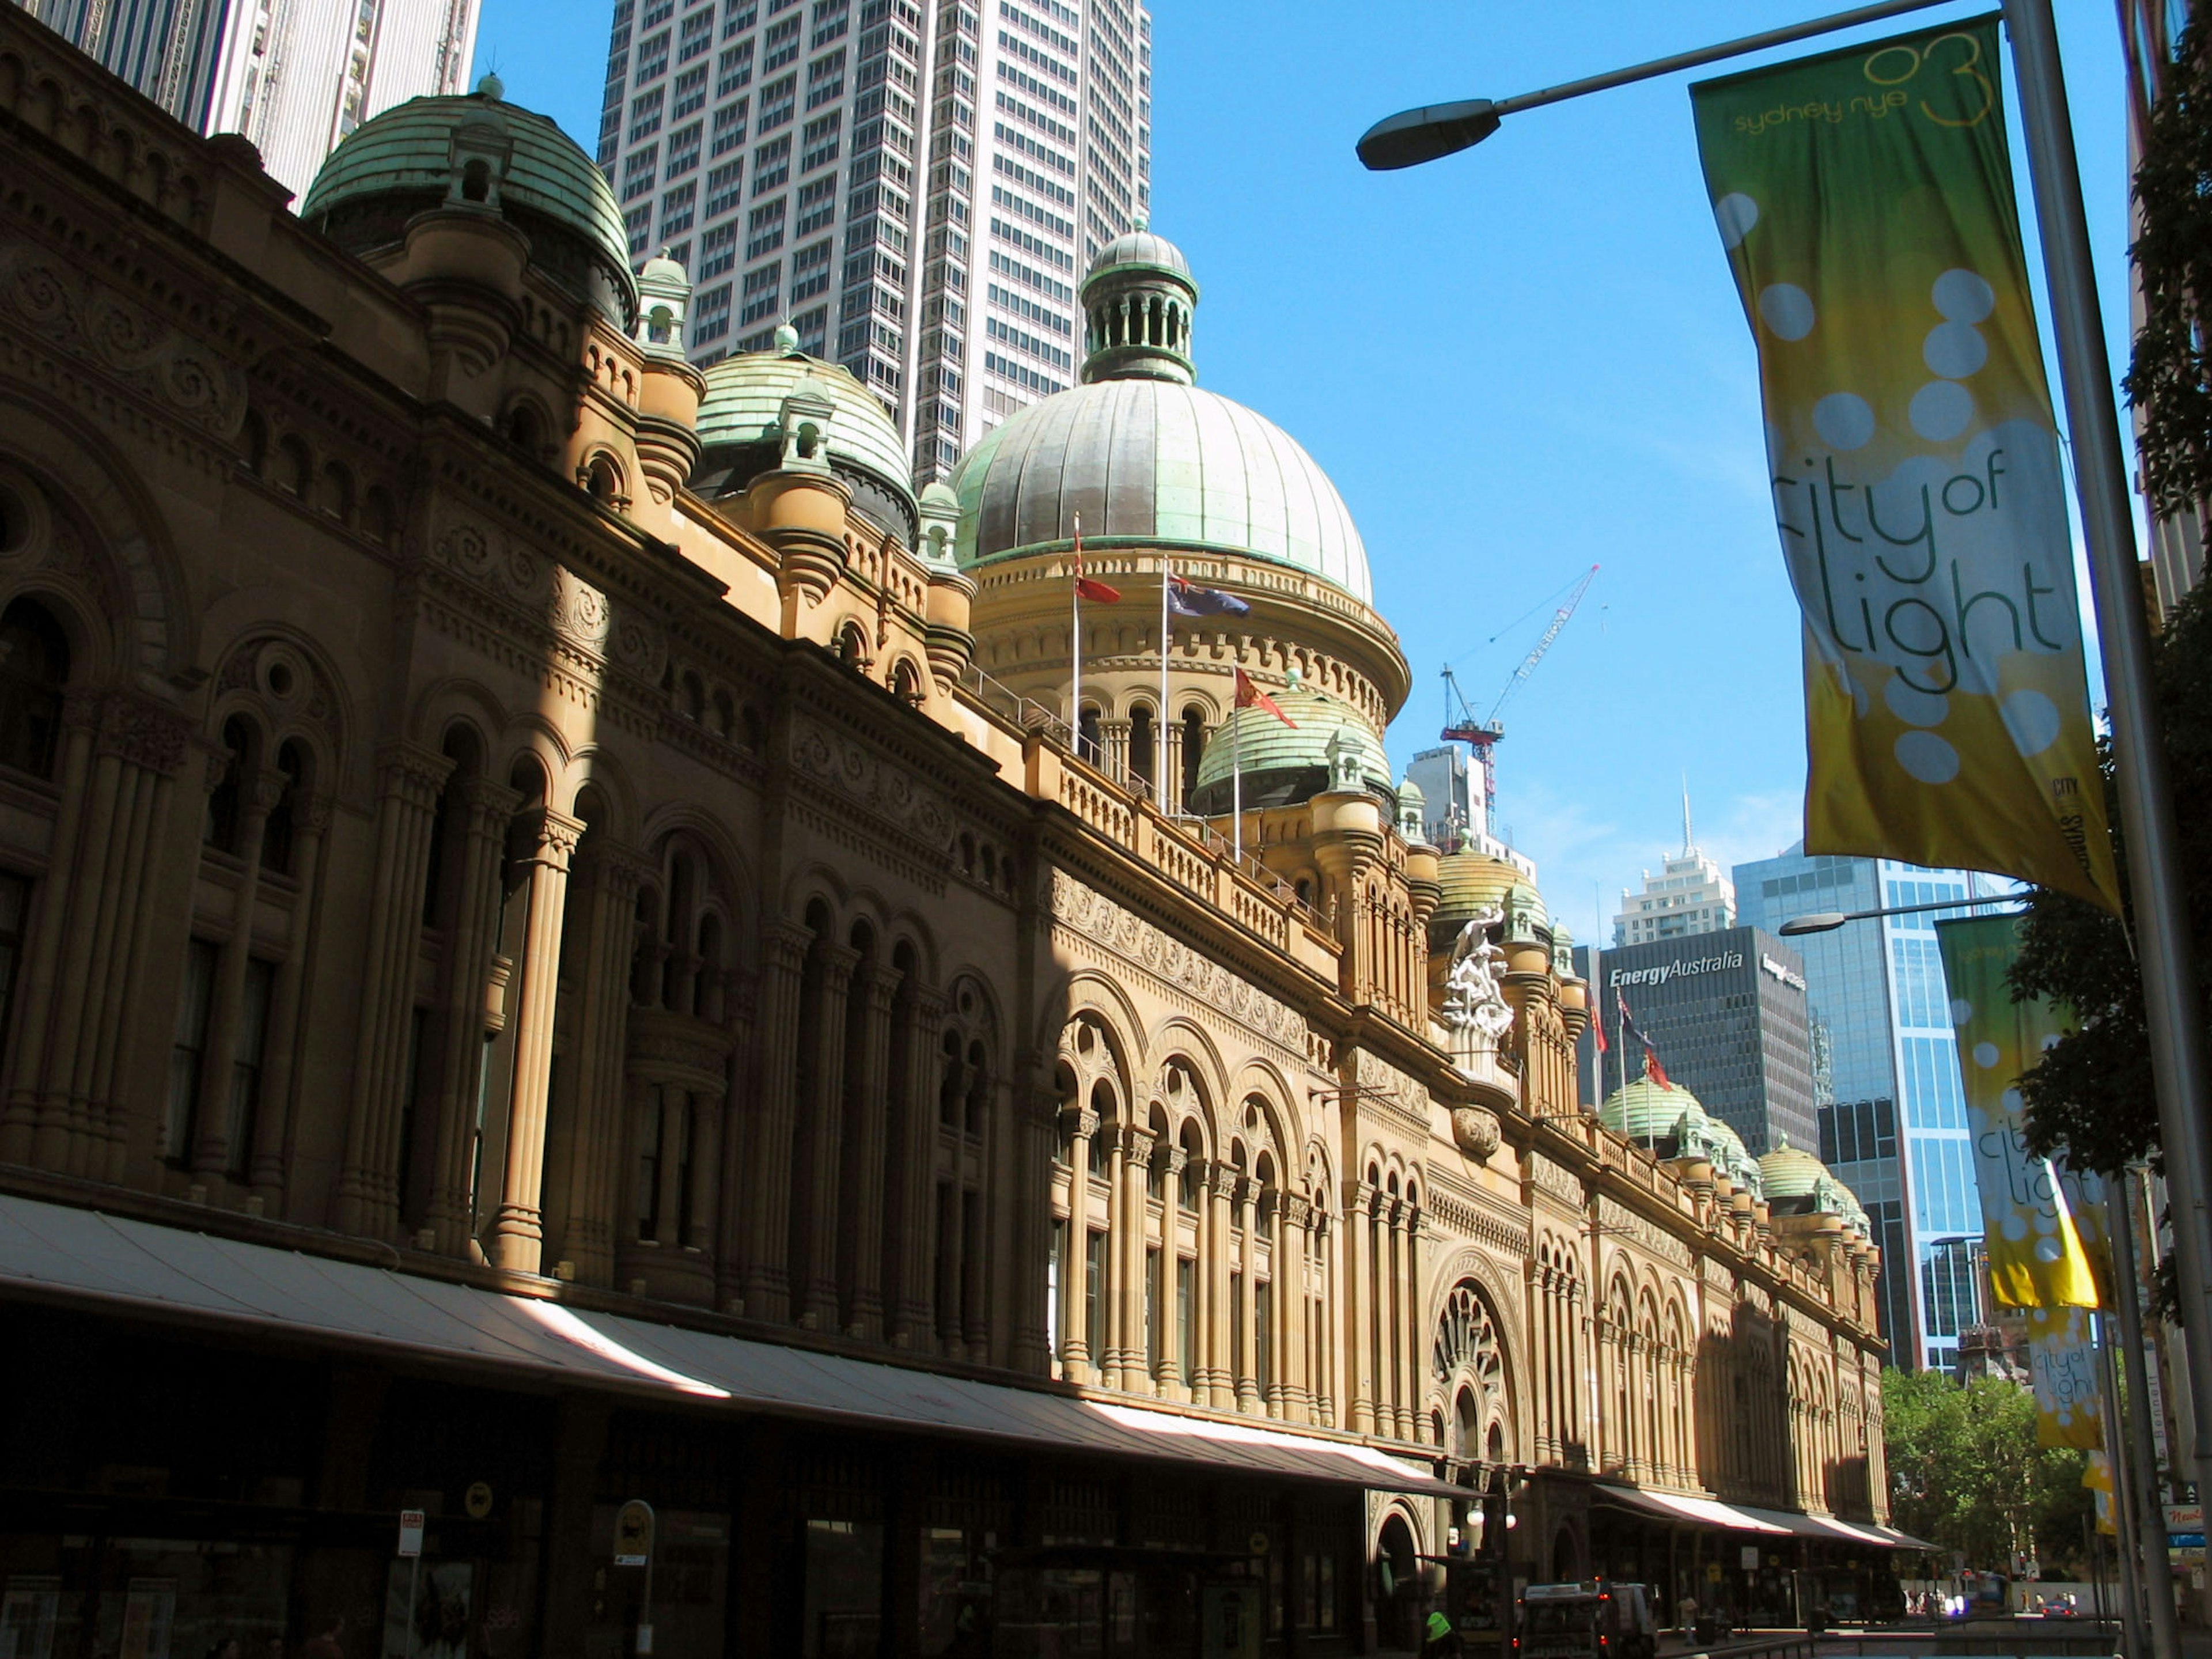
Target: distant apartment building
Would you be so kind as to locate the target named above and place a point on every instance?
(1456, 807)
(916, 187)
(1892, 1120)
(293, 75)
(1689, 895)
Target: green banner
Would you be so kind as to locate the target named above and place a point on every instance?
(2045, 1233)
(1865, 198)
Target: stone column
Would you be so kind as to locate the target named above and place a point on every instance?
(590, 1161)
(861, 1280)
(213, 1148)
(1248, 1291)
(908, 1247)
(740, 1105)
(310, 821)
(1137, 1367)
(1036, 1115)
(518, 1229)
(1075, 1358)
(1293, 1243)
(1356, 1300)
(768, 1264)
(1116, 1288)
(1167, 1377)
(1221, 1380)
(707, 1113)
(40, 969)
(675, 1129)
(484, 809)
(1113, 742)
(368, 1182)
(1412, 1327)
(814, 1291)
(953, 1234)
(1170, 749)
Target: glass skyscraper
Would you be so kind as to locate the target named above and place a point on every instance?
(916, 186)
(1893, 1116)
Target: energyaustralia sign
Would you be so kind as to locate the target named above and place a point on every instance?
(1720, 961)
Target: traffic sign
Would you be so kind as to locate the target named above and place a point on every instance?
(411, 1534)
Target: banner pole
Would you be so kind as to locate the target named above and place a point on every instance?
(1160, 737)
(1075, 647)
(2173, 1011)
(1236, 778)
(2126, 1518)
(2150, 1512)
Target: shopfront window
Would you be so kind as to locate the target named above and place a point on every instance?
(844, 1590)
(955, 1591)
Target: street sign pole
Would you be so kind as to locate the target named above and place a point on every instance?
(634, 1540)
(411, 1549)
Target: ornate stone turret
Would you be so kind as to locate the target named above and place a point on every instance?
(669, 394)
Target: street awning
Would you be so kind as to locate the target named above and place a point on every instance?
(81, 1257)
(1823, 1526)
(1675, 1506)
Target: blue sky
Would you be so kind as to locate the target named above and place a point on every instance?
(1515, 363)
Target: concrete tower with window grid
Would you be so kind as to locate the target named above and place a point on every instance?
(915, 186)
(296, 77)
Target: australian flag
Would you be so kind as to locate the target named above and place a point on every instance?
(1189, 599)
(1652, 1068)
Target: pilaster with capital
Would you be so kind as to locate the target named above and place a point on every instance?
(311, 823)
(861, 1278)
(1167, 1375)
(771, 1169)
(518, 1226)
(1357, 1303)
(908, 1246)
(1294, 1394)
(1222, 1357)
(1076, 1363)
(584, 1148)
(409, 779)
(1117, 1290)
(814, 1273)
(483, 809)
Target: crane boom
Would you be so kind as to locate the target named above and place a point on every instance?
(1559, 620)
(1482, 736)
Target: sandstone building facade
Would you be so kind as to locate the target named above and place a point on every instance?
(560, 945)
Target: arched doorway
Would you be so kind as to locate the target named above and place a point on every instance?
(1566, 1557)
(1399, 1607)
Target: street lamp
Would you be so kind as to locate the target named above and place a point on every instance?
(1826, 921)
(2173, 1010)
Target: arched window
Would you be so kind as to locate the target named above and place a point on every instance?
(1087, 741)
(276, 837)
(295, 467)
(603, 482)
(1143, 761)
(906, 684)
(34, 668)
(222, 805)
(1467, 1363)
(1194, 750)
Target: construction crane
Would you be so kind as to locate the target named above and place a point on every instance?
(1462, 726)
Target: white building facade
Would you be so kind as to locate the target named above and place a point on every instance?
(293, 75)
(916, 187)
(1689, 895)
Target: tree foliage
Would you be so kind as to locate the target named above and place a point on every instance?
(2091, 1096)
(1965, 1473)
(2170, 383)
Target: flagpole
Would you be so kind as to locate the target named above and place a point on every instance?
(1160, 737)
(1075, 647)
(1236, 778)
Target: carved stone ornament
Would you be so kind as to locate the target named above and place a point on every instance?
(1098, 918)
(82, 318)
(1476, 1131)
(887, 790)
(1474, 995)
(570, 607)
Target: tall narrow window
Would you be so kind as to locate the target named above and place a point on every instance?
(1094, 1295)
(15, 920)
(648, 1167)
(685, 1137)
(1236, 1323)
(181, 1122)
(1142, 736)
(1194, 747)
(1055, 1266)
(246, 1062)
(1187, 1316)
(1152, 1309)
(1263, 1329)
(34, 665)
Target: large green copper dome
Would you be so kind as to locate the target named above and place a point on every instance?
(1144, 459)
(415, 156)
(738, 420)
(1646, 1111)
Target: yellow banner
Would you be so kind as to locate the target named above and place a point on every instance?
(2045, 1234)
(1865, 198)
(2069, 1410)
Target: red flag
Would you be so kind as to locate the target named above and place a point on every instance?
(1653, 1071)
(1597, 1030)
(1249, 695)
(1097, 591)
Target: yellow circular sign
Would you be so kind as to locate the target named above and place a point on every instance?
(477, 1500)
(1258, 1542)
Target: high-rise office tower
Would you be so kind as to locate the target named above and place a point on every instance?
(1690, 895)
(915, 185)
(293, 75)
(1893, 1119)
